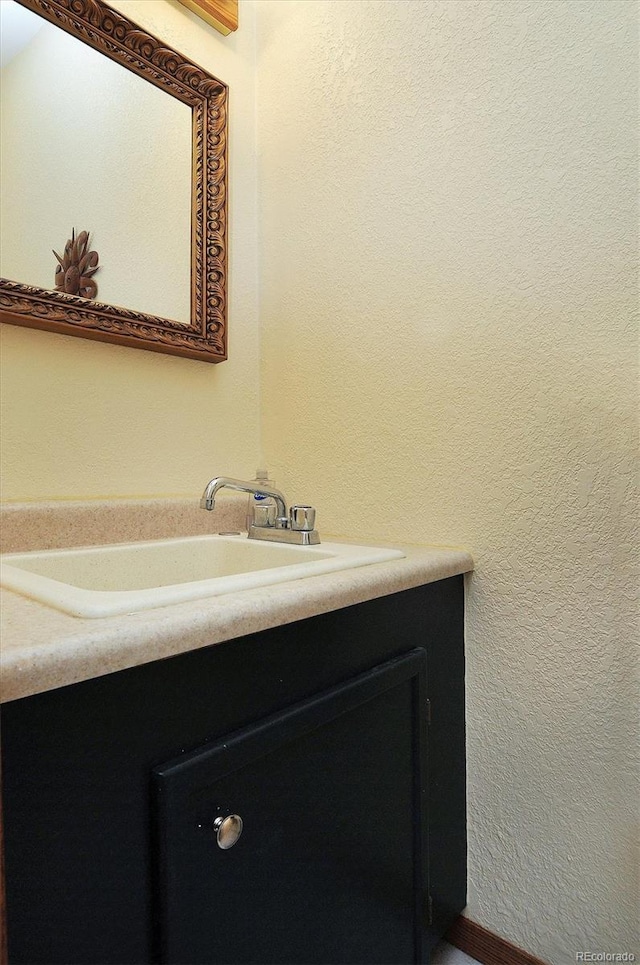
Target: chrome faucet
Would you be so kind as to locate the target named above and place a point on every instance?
(224, 482)
(295, 526)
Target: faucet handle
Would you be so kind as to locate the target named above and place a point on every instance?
(302, 518)
(264, 515)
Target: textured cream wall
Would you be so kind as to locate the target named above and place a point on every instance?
(448, 238)
(82, 419)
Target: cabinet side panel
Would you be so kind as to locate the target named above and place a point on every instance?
(447, 763)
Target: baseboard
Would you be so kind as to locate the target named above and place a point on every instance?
(485, 947)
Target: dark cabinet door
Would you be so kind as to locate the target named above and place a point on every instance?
(331, 863)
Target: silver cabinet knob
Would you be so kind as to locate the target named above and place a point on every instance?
(228, 830)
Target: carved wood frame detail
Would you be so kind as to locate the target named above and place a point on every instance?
(205, 338)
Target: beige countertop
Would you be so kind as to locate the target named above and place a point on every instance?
(42, 648)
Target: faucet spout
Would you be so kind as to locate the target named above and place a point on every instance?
(224, 482)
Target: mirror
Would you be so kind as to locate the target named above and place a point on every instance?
(121, 137)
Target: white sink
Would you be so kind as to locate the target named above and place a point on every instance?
(100, 581)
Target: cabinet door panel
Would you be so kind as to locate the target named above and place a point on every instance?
(331, 863)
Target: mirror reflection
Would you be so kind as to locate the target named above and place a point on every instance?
(88, 145)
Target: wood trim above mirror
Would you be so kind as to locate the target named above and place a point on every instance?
(221, 14)
(205, 337)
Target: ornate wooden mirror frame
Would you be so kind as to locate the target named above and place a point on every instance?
(204, 338)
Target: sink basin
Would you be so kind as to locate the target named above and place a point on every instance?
(100, 581)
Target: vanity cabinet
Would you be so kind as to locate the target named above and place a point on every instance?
(339, 742)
